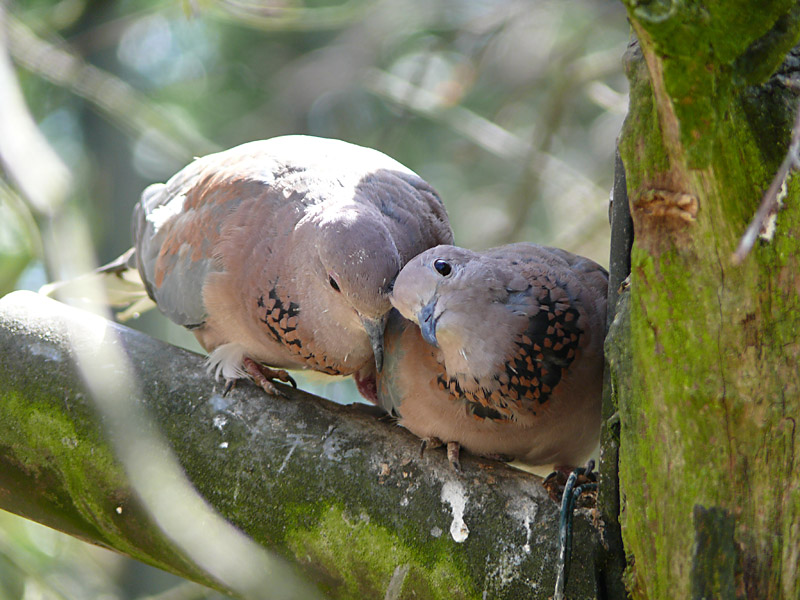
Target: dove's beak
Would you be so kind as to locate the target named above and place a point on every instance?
(427, 323)
(374, 329)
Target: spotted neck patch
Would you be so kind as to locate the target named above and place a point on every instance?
(539, 359)
(281, 318)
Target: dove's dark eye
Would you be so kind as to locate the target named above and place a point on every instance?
(333, 283)
(442, 267)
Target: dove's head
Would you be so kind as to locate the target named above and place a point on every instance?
(451, 293)
(423, 282)
(358, 263)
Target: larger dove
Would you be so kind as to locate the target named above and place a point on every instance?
(502, 352)
(280, 253)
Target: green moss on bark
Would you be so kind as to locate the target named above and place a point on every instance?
(707, 51)
(641, 137)
(83, 489)
(49, 443)
(341, 543)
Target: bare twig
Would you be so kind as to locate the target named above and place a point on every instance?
(771, 203)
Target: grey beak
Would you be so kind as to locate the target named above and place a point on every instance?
(374, 329)
(427, 323)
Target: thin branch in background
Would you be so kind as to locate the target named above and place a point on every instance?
(482, 132)
(528, 189)
(415, 80)
(279, 17)
(114, 98)
(24, 153)
(763, 221)
(100, 35)
(479, 130)
(573, 75)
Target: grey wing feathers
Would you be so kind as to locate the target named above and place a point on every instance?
(416, 215)
(592, 276)
(179, 293)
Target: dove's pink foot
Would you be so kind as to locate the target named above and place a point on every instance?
(453, 450)
(262, 376)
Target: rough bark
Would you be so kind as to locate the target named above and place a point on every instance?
(708, 475)
(342, 494)
(611, 559)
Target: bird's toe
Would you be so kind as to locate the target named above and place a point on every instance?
(263, 376)
(453, 452)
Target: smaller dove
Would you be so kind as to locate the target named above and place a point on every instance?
(501, 352)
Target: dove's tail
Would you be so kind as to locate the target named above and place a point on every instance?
(118, 282)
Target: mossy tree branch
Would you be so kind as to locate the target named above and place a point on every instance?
(342, 494)
(708, 425)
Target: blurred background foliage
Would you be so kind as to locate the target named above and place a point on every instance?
(510, 108)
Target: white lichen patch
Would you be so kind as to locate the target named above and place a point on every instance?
(525, 513)
(509, 568)
(768, 227)
(332, 446)
(456, 496)
(219, 402)
(512, 563)
(219, 422)
(527, 546)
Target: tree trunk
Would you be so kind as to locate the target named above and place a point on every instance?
(709, 481)
(342, 494)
